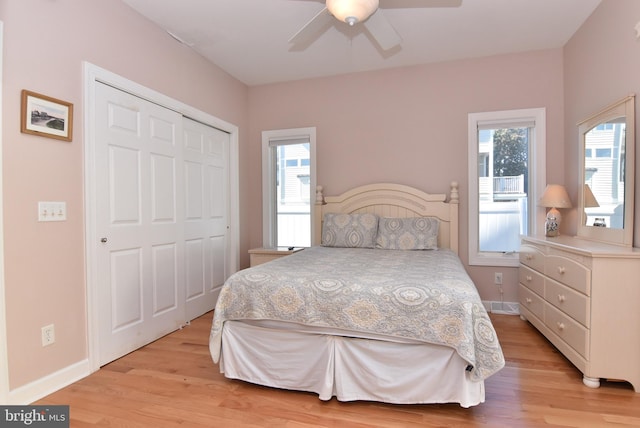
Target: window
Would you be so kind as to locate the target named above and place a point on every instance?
(507, 173)
(288, 187)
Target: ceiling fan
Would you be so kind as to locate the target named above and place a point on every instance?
(365, 12)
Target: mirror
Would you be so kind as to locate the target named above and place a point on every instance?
(605, 197)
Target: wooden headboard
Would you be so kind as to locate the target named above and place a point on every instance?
(393, 200)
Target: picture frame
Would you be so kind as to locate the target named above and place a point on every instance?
(46, 116)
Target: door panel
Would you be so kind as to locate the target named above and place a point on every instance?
(126, 289)
(138, 155)
(206, 172)
(216, 183)
(218, 261)
(165, 278)
(195, 262)
(124, 186)
(193, 191)
(163, 172)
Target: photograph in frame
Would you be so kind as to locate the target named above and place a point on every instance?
(46, 116)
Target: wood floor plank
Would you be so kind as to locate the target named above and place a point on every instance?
(173, 382)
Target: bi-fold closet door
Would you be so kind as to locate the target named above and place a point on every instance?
(161, 203)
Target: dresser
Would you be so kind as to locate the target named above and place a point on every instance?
(257, 256)
(584, 297)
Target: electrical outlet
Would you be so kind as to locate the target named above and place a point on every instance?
(497, 280)
(48, 335)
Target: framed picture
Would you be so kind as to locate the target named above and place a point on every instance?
(46, 116)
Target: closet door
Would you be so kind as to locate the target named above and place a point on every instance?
(206, 160)
(139, 193)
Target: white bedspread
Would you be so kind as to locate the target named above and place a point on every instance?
(420, 295)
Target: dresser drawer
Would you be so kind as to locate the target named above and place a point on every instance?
(532, 257)
(570, 331)
(531, 301)
(531, 279)
(569, 272)
(569, 301)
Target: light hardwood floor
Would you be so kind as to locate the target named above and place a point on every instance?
(173, 382)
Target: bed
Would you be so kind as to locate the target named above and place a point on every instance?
(380, 308)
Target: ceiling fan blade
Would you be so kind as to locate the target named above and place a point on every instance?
(382, 31)
(398, 4)
(319, 23)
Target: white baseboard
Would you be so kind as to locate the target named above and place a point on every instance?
(506, 308)
(42, 387)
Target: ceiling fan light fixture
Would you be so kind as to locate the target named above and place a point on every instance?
(352, 11)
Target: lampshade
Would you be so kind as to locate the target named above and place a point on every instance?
(555, 196)
(590, 201)
(352, 11)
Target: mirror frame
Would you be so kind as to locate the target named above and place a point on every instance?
(623, 108)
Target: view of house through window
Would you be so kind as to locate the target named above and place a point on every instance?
(288, 174)
(293, 195)
(506, 171)
(503, 174)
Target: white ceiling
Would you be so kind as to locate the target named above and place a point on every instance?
(249, 38)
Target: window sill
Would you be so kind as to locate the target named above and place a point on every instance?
(510, 259)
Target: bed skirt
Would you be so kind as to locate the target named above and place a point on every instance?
(348, 368)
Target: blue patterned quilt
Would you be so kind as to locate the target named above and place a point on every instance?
(420, 295)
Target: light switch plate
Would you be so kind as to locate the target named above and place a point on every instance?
(52, 211)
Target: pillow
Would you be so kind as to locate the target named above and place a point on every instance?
(349, 230)
(414, 233)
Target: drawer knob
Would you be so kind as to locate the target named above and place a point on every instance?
(528, 300)
(561, 298)
(529, 278)
(560, 325)
(561, 270)
(529, 257)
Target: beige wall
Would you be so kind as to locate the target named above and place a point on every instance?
(409, 125)
(45, 43)
(602, 65)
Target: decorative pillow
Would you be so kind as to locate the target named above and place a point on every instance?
(349, 230)
(415, 233)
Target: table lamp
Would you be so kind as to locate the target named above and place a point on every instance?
(555, 196)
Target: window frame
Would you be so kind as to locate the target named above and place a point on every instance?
(537, 178)
(269, 204)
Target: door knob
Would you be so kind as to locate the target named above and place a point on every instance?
(103, 240)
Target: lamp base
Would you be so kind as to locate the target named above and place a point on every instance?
(552, 224)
